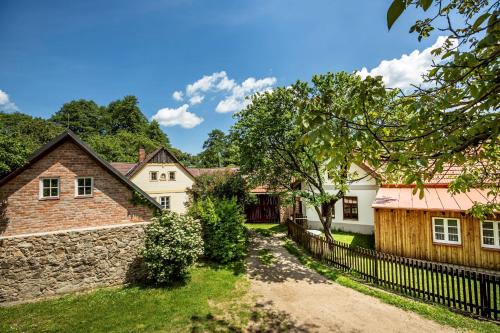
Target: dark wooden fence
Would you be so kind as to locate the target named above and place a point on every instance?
(461, 289)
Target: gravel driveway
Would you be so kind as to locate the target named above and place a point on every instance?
(301, 300)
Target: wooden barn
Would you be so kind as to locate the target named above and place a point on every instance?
(266, 208)
(437, 227)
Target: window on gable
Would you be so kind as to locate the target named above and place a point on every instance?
(165, 202)
(163, 177)
(490, 234)
(84, 186)
(49, 188)
(350, 208)
(153, 176)
(171, 175)
(446, 230)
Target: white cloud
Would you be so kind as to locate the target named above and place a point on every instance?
(219, 82)
(407, 70)
(177, 117)
(206, 83)
(237, 100)
(5, 104)
(178, 95)
(196, 99)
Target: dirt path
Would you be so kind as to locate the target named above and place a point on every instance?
(301, 300)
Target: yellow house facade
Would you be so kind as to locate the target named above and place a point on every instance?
(162, 177)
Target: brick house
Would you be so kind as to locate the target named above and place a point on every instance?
(65, 185)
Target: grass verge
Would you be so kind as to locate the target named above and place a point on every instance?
(200, 305)
(434, 312)
(266, 229)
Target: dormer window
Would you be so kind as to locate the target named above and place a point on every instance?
(171, 175)
(153, 176)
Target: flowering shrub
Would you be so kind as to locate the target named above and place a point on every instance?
(173, 243)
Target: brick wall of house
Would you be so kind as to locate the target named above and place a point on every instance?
(24, 212)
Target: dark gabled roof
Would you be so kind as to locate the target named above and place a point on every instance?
(161, 151)
(69, 135)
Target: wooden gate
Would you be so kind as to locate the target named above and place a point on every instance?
(266, 209)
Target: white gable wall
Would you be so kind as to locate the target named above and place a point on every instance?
(175, 189)
(365, 190)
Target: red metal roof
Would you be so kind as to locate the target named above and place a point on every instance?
(434, 199)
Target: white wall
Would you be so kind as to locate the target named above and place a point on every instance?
(365, 190)
(175, 189)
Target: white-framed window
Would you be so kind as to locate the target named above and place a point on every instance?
(84, 187)
(165, 202)
(153, 176)
(490, 234)
(171, 175)
(49, 188)
(446, 230)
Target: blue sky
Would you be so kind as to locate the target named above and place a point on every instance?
(55, 51)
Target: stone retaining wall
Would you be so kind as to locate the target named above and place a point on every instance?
(45, 264)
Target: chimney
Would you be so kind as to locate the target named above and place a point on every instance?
(142, 154)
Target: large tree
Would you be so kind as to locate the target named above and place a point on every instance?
(218, 150)
(277, 145)
(84, 117)
(450, 119)
(124, 114)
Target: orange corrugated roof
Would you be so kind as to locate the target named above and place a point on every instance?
(434, 199)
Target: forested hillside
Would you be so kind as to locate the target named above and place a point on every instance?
(115, 132)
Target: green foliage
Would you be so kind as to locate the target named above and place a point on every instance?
(122, 146)
(125, 115)
(173, 244)
(20, 136)
(218, 151)
(155, 133)
(221, 185)
(81, 116)
(224, 231)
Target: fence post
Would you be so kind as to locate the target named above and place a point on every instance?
(375, 269)
(485, 296)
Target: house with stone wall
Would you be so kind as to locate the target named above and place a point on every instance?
(69, 221)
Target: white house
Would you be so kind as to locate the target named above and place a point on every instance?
(354, 212)
(161, 176)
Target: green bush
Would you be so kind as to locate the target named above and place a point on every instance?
(173, 243)
(224, 232)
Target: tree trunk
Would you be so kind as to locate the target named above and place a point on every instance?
(326, 220)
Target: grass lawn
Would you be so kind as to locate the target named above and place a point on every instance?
(351, 238)
(266, 229)
(192, 307)
(437, 313)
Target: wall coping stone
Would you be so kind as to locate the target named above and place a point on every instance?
(76, 230)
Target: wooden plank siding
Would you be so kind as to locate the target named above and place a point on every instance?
(408, 233)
